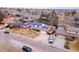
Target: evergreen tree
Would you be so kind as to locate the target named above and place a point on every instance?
(43, 17)
(1, 16)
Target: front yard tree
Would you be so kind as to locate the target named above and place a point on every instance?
(1, 16)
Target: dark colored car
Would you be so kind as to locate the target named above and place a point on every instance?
(26, 49)
(6, 32)
(6, 26)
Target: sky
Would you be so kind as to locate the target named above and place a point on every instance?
(39, 3)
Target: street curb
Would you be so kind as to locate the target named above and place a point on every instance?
(21, 36)
(61, 48)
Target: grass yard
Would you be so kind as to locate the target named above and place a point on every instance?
(74, 46)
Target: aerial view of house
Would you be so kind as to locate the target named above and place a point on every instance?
(39, 30)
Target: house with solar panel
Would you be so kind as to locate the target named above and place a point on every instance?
(37, 26)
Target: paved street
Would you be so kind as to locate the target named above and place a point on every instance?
(5, 46)
(18, 42)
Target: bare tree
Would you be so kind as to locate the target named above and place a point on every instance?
(53, 18)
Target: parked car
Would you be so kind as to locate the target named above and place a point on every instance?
(6, 32)
(6, 26)
(51, 39)
(26, 49)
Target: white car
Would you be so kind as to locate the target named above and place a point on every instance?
(51, 39)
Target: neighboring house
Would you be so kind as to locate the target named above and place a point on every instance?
(8, 20)
(18, 24)
(76, 18)
(12, 22)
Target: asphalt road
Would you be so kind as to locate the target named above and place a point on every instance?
(18, 42)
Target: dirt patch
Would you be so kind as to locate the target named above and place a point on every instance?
(1, 26)
(25, 32)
